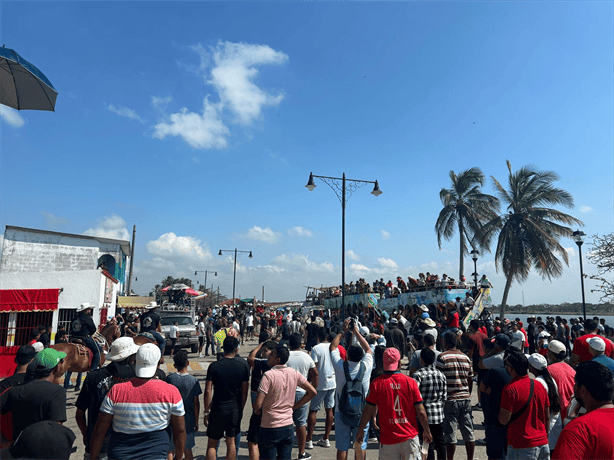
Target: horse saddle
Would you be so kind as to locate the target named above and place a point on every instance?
(148, 336)
(82, 349)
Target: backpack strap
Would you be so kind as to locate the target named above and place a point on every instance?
(515, 415)
(346, 370)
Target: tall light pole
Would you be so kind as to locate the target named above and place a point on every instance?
(578, 237)
(234, 277)
(344, 195)
(201, 271)
(474, 256)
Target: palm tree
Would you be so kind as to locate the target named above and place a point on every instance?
(529, 232)
(465, 207)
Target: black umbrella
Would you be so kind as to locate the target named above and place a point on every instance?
(22, 85)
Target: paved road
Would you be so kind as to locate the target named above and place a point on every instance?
(198, 368)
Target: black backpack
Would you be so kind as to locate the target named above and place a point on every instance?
(352, 398)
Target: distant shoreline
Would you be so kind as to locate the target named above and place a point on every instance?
(553, 313)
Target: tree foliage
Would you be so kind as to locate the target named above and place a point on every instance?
(466, 209)
(602, 255)
(529, 231)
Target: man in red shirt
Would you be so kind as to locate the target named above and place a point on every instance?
(399, 403)
(527, 417)
(590, 436)
(581, 352)
(562, 373)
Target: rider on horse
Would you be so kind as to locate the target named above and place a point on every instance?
(83, 327)
(150, 322)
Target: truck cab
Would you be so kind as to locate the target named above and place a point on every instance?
(185, 315)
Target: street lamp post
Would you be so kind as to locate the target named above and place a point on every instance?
(344, 195)
(234, 277)
(578, 237)
(474, 256)
(200, 271)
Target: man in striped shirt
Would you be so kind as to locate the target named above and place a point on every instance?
(456, 366)
(140, 410)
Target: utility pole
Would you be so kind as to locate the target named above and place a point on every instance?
(131, 260)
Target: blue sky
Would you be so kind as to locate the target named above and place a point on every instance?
(199, 123)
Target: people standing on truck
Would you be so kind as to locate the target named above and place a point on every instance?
(173, 335)
(83, 327)
(150, 322)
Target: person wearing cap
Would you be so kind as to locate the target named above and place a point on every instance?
(531, 333)
(121, 357)
(83, 327)
(39, 399)
(25, 355)
(394, 336)
(494, 358)
(542, 342)
(590, 436)
(457, 368)
(581, 352)
(140, 411)
(596, 346)
(359, 356)
(397, 399)
(527, 418)
(150, 322)
(562, 373)
(538, 366)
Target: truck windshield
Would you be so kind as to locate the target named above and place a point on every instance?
(181, 320)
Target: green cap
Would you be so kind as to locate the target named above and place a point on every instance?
(48, 359)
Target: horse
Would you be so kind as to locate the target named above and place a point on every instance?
(78, 356)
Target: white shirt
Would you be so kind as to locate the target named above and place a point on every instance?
(236, 326)
(302, 362)
(174, 330)
(518, 339)
(353, 367)
(201, 329)
(249, 321)
(321, 356)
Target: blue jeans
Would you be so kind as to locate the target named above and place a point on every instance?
(161, 340)
(276, 443)
(92, 345)
(530, 453)
(67, 379)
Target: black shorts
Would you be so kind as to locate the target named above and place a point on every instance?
(250, 328)
(254, 428)
(173, 342)
(201, 340)
(224, 421)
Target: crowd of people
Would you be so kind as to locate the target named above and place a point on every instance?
(424, 282)
(404, 380)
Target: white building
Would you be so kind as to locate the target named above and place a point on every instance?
(81, 268)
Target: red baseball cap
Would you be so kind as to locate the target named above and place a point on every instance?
(392, 357)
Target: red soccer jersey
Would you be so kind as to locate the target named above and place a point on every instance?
(395, 396)
(526, 337)
(564, 377)
(590, 436)
(580, 347)
(528, 430)
(453, 321)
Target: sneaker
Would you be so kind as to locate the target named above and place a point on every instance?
(309, 445)
(324, 443)
(304, 456)
(374, 439)
(481, 442)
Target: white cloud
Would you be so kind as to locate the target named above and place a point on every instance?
(231, 69)
(200, 131)
(299, 231)
(113, 227)
(263, 234)
(585, 209)
(301, 262)
(53, 221)
(385, 235)
(387, 263)
(124, 112)
(158, 101)
(352, 255)
(571, 251)
(11, 116)
(232, 75)
(171, 246)
(358, 268)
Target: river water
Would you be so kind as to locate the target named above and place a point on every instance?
(609, 319)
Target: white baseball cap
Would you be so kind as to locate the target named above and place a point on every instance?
(596, 343)
(122, 348)
(147, 359)
(38, 346)
(538, 361)
(556, 347)
(364, 331)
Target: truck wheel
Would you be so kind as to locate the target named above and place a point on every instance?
(194, 349)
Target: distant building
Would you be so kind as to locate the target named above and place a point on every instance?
(45, 276)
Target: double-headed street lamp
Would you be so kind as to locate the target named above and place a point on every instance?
(205, 271)
(578, 237)
(342, 193)
(234, 277)
(474, 256)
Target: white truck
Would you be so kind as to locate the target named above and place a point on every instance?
(185, 316)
